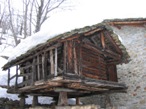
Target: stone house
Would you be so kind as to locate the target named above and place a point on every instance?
(133, 74)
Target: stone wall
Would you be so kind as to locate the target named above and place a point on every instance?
(132, 74)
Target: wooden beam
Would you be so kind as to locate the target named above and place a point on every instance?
(30, 56)
(105, 52)
(93, 31)
(127, 22)
(35, 101)
(16, 81)
(52, 61)
(65, 57)
(33, 76)
(62, 99)
(56, 62)
(112, 41)
(102, 40)
(75, 61)
(77, 101)
(9, 77)
(38, 67)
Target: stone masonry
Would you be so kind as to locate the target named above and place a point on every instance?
(132, 74)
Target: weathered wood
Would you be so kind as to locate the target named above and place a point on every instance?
(65, 57)
(62, 99)
(43, 66)
(24, 83)
(102, 40)
(33, 76)
(75, 61)
(8, 77)
(16, 81)
(30, 56)
(77, 101)
(126, 22)
(56, 63)
(93, 31)
(38, 68)
(35, 101)
(52, 61)
(112, 41)
(105, 52)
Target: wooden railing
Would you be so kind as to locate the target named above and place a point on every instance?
(40, 67)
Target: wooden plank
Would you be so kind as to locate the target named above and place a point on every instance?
(62, 99)
(16, 81)
(75, 61)
(105, 52)
(30, 56)
(56, 62)
(33, 76)
(102, 40)
(112, 41)
(52, 61)
(43, 66)
(8, 77)
(93, 31)
(70, 64)
(38, 68)
(65, 57)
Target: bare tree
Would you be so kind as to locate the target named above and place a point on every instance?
(43, 10)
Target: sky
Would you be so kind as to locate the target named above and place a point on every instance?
(89, 12)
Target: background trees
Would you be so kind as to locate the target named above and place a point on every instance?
(20, 19)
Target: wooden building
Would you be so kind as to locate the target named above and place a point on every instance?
(74, 64)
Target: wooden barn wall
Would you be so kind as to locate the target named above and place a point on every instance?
(93, 63)
(112, 72)
(72, 50)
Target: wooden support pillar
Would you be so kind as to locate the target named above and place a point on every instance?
(102, 40)
(77, 101)
(22, 100)
(8, 77)
(65, 57)
(44, 65)
(33, 72)
(35, 101)
(38, 67)
(52, 61)
(16, 81)
(55, 62)
(62, 99)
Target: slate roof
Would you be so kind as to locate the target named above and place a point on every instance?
(80, 31)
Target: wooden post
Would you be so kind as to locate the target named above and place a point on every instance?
(22, 100)
(38, 67)
(33, 72)
(102, 40)
(75, 61)
(35, 101)
(9, 77)
(44, 65)
(62, 99)
(16, 82)
(65, 57)
(77, 101)
(52, 61)
(56, 62)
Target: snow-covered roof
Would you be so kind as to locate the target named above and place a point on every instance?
(30, 44)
